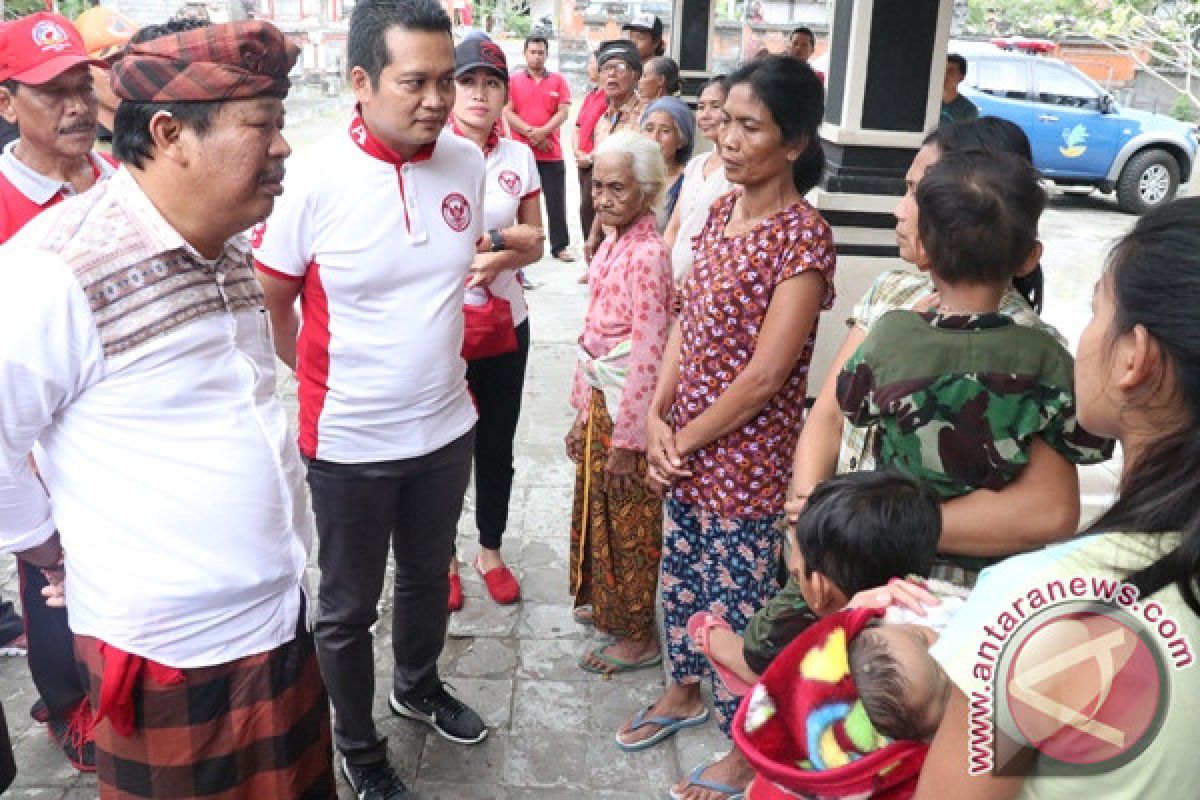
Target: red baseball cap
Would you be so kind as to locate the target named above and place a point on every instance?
(40, 47)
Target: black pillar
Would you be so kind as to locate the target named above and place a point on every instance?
(883, 92)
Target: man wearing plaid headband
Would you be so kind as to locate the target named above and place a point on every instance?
(134, 352)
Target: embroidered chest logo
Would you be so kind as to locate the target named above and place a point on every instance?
(257, 233)
(510, 182)
(456, 211)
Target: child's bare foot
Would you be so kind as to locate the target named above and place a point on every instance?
(727, 649)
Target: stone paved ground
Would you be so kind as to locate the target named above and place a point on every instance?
(552, 725)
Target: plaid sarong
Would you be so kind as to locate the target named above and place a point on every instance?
(254, 728)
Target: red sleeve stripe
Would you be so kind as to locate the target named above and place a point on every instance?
(534, 193)
(274, 273)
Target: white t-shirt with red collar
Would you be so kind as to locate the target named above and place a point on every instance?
(512, 176)
(383, 246)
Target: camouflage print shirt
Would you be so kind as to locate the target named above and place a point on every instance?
(904, 289)
(958, 399)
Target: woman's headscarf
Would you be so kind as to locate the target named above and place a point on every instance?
(684, 121)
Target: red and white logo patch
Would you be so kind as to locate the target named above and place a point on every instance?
(456, 211)
(257, 233)
(49, 35)
(510, 182)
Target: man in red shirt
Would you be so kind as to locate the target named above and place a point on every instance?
(538, 101)
(46, 90)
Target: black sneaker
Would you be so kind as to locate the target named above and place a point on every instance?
(376, 781)
(445, 713)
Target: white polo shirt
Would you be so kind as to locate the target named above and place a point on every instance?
(512, 176)
(383, 246)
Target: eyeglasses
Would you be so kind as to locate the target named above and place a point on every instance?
(616, 67)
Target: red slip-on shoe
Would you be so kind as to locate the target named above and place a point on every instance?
(456, 593)
(501, 584)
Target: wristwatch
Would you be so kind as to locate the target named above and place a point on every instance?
(497, 240)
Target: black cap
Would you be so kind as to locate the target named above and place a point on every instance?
(619, 48)
(645, 22)
(478, 51)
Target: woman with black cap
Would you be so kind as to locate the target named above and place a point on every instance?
(512, 218)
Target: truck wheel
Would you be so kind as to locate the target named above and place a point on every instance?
(1149, 179)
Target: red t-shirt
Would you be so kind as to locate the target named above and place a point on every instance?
(536, 102)
(16, 209)
(590, 112)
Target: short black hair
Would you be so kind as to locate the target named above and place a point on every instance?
(807, 31)
(131, 142)
(536, 38)
(993, 134)
(366, 39)
(987, 133)
(955, 58)
(666, 68)
(11, 85)
(861, 529)
(977, 216)
(795, 96)
(171, 26)
(883, 687)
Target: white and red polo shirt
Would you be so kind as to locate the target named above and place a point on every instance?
(512, 176)
(25, 193)
(383, 246)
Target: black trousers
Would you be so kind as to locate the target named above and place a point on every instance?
(8, 765)
(586, 212)
(52, 665)
(496, 384)
(554, 189)
(412, 506)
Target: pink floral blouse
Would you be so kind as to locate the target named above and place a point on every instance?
(744, 474)
(631, 290)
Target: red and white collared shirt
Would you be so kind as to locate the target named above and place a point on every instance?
(512, 176)
(383, 246)
(25, 193)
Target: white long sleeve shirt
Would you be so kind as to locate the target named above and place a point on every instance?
(142, 378)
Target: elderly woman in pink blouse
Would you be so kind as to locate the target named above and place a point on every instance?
(616, 525)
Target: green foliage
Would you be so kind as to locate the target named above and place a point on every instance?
(518, 23)
(483, 9)
(1055, 17)
(1185, 109)
(15, 9)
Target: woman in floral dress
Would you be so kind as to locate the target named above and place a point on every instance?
(730, 397)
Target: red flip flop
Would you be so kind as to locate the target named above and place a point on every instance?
(501, 584)
(698, 627)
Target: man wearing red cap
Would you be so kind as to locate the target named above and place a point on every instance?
(46, 90)
(135, 354)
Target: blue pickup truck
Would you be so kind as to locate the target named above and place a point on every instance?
(1080, 135)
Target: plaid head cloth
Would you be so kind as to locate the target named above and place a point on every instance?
(233, 61)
